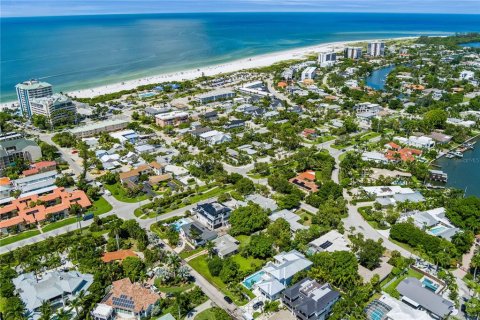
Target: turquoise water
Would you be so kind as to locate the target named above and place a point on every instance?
(429, 284)
(376, 80)
(252, 279)
(464, 173)
(471, 45)
(147, 95)
(86, 51)
(437, 230)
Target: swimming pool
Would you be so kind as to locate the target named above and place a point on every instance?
(430, 285)
(437, 230)
(147, 94)
(252, 279)
(179, 223)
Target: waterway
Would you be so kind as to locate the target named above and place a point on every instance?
(464, 173)
(376, 80)
(471, 45)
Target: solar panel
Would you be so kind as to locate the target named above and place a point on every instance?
(326, 244)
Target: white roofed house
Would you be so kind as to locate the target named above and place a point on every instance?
(56, 287)
(215, 137)
(290, 217)
(276, 275)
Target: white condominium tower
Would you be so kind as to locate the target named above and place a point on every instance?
(326, 59)
(353, 52)
(31, 89)
(56, 108)
(376, 49)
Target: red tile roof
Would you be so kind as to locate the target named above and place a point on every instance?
(118, 255)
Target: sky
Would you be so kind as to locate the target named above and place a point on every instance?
(19, 8)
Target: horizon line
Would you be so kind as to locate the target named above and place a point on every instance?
(230, 12)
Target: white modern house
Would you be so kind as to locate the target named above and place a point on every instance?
(309, 73)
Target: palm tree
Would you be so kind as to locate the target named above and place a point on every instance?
(115, 229)
(78, 301)
(174, 263)
(63, 314)
(16, 311)
(210, 246)
(475, 264)
(46, 310)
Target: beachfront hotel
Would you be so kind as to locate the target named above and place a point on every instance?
(56, 108)
(352, 52)
(327, 59)
(31, 89)
(376, 49)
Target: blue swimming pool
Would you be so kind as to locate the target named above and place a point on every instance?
(179, 223)
(429, 284)
(147, 94)
(252, 279)
(437, 230)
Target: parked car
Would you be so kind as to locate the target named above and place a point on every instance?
(227, 299)
(257, 305)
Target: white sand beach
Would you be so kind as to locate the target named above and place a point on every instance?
(247, 63)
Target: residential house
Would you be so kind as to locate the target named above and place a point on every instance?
(234, 124)
(264, 202)
(119, 255)
(226, 245)
(55, 287)
(392, 309)
(276, 275)
(290, 217)
(330, 242)
(131, 178)
(40, 167)
(310, 300)
(127, 300)
(213, 215)
(124, 136)
(305, 181)
(413, 293)
(14, 147)
(390, 195)
(197, 234)
(214, 137)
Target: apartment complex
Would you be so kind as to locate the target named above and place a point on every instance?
(98, 127)
(376, 49)
(57, 108)
(353, 52)
(326, 59)
(31, 210)
(173, 118)
(32, 89)
(14, 147)
(309, 73)
(220, 94)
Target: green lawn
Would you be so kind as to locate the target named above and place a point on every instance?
(368, 136)
(174, 289)
(121, 195)
(244, 240)
(58, 224)
(18, 237)
(305, 217)
(392, 288)
(205, 315)
(248, 263)
(188, 253)
(3, 304)
(201, 266)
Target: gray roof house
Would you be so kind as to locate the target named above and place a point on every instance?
(213, 215)
(197, 234)
(414, 294)
(264, 202)
(310, 300)
(226, 245)
(56, 287)
(14, 146)
(290, 217)
(277, 275)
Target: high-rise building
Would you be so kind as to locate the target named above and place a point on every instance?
(326, 59)
(31, 89)
(353, 52)
(57, 108)
(376, 49)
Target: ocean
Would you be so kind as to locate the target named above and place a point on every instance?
(79, 52)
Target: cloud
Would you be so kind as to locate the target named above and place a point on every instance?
(74, 7)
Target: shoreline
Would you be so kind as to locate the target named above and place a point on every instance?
(232, 66)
